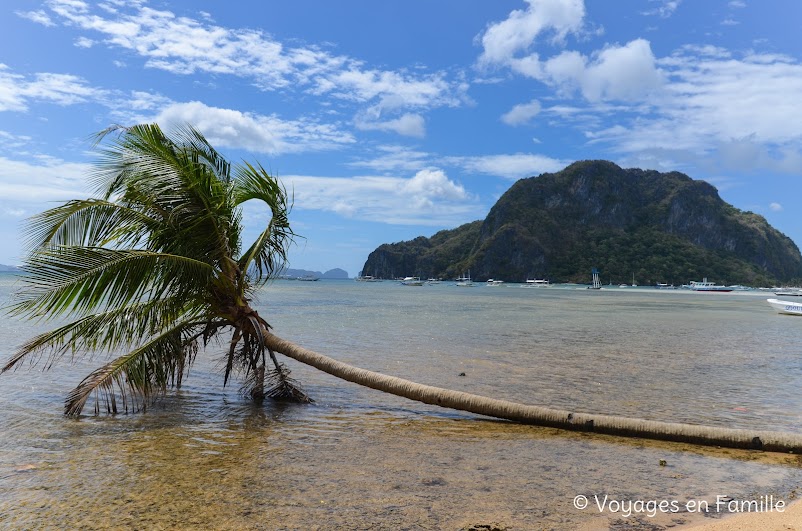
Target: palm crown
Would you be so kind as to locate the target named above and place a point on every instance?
(153, 266)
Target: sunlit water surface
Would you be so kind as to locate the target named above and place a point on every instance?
(205, 458)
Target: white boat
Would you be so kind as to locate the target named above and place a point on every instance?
(465, 281)
(791, 292)
(411, 281)
(537, 283)
(786, 307)
(367, 278)
(704, 285)
(596, 281)
(493, 282)
(663, 285)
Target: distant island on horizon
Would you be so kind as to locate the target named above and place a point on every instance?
(8, 268)
(335, 273)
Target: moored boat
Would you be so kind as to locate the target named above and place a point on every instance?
(786, 307)
(596, 282)
(791, 292)
(465, 281)
(411, 281)
(704, 285)
(537, 283)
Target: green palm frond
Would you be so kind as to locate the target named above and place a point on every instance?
(132, 152)
(136, 377)
(109, 331)
(79, 280)
(204, 152)
(268, 253)
(88, 222)
(182, 182)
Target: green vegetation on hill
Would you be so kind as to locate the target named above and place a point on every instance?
(661, 227)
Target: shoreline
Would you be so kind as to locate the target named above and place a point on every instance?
(790, 519)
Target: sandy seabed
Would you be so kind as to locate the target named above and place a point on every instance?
(789, 519)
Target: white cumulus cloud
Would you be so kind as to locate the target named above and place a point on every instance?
(621, 73)
(515, 166)
(744, 111)
(395, 158)
(254, 132)
(83, 42)
(184, 45)
(17, 91)
(428, 198)
(521, 113)
(665, 9)
(40, 181)
(616, 72)
(504, 41)
(39, 16)
(408, 125)
(433, 184)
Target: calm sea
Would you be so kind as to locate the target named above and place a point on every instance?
(205, 458)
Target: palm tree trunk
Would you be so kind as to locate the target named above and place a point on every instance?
(537, 415)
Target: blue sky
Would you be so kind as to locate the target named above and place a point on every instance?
(391, 120)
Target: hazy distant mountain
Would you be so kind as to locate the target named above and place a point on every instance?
(661, 227)
(335, 273)
(6, 268)
(331, 273)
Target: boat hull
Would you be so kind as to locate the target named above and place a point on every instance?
(712, 290)
(786, 307)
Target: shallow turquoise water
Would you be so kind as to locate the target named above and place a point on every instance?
(205, 457)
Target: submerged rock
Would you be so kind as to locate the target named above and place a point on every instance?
(485, 527)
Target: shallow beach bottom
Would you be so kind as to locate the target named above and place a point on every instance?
(371, 471)
(788, 520)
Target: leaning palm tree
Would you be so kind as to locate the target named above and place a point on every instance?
(153, 266)
(153, 269)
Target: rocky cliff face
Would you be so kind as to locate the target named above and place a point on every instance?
(663, 227)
